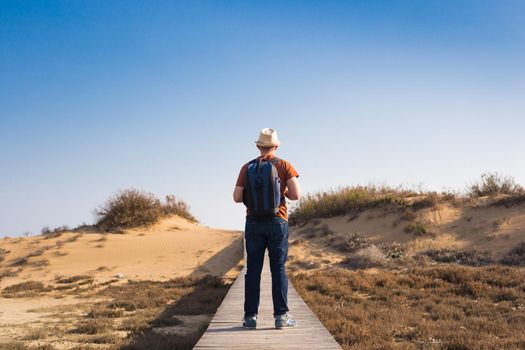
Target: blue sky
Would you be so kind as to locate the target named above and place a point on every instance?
(168, 97)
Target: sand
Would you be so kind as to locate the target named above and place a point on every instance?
(173, 248)
(492, 229)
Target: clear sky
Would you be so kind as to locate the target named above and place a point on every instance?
(169, 96)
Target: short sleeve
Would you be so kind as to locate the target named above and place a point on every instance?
(289, 171)
(242, 176)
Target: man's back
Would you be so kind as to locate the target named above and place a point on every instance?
(267, 232)
(286, 173)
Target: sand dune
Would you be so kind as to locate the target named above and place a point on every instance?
(488, 228)
(173, 248)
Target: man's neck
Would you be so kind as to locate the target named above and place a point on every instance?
(268, 154)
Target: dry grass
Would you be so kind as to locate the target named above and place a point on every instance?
(418, 228)
(346, 201)
(463, 257)
(77, 279)
(350, 201)
(9, 273)
(438, 307)
(516, 256)
(25, 289)
(37, 252)
(72, 239)
(353, 243)
(42, 332)
(92, 326)
(20, 261)
(22, 346)
(134, 208)
(370, 256)
(56, 232)
(40, 263)
(141, 306)
(492, 184)
(124, 316)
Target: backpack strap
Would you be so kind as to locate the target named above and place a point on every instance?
(275, 160)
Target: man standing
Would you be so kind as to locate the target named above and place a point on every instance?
(263, 186)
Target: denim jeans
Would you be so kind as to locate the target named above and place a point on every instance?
(262, 233)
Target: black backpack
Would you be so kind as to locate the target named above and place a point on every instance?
(262, 188)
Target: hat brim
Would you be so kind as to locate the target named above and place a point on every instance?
(262, 144)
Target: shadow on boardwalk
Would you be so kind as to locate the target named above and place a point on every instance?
(181, 324)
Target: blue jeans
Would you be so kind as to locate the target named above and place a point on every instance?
(262, 233)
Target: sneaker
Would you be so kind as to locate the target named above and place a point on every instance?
(250, 322)
(284, 321)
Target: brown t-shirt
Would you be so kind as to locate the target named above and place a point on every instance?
(285, 170)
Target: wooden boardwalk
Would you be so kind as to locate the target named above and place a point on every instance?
(225, 330)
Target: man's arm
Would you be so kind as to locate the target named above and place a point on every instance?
(237, 194)
(293, 191)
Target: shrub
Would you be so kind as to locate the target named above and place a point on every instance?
(2, 253)
(78, 279)
(370, 256)
(354, 242)
(393, 251)
(177, 207)
(56, 232)
(492, 184)
(469, 257)
(130, 208)
(91, 326)
(417, 227)
(134, 208)
(346, 200)
(516, 256)
(29, 288)
(20, 261)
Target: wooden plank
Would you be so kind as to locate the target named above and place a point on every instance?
(226, 332)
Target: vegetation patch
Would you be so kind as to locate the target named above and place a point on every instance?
(438, 307)
(393, 251)
(134, 208)
(368, 257)
(143, 306)
(77, 279)
(345, 201)
(350, 201)
(21, 346)
(92, 326)
(492, 184)
(418, 228)
(54, 233)
(25, 289)
(9, 273)
(20, 261)
(4, 251)
(463, 257)
(516, 256)
(353, 242)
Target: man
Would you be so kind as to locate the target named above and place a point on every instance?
(267, 226)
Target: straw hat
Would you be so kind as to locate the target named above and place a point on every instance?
(268, 138)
